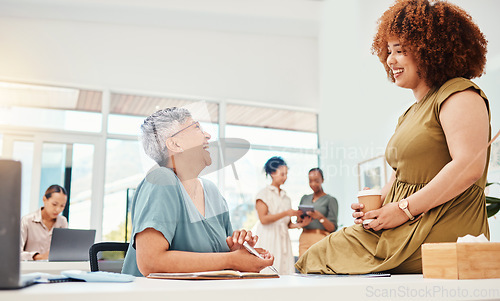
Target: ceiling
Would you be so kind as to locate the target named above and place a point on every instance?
(285, 17)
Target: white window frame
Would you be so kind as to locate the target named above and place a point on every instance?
(99, 140)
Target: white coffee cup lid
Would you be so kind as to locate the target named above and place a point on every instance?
(369, 192)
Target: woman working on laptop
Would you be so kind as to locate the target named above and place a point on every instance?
(36, 227)
(180, 223)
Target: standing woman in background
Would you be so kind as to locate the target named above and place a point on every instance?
(323, 220)
(274, 209)
(36, 227)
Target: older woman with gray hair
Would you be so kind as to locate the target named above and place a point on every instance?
(180, 223)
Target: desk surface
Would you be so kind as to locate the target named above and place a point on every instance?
(53, 267)
(409, 287)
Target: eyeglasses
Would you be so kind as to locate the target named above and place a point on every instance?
(194, 123)
(185, 128)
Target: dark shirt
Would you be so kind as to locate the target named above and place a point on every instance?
(327, 205)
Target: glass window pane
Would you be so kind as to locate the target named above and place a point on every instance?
(126, 165)
(23, 151)
(271, 118)
(81, 186)
(75, 162)
(240, 194)
(125, 124)
(51, 119)
(127, 112)
(273, 137)
(50, 107)
(53, 167)
(131, 125)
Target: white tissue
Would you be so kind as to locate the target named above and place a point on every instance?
(471, 238)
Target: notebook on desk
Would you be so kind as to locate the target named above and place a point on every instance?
(71, 244)
(213, 275)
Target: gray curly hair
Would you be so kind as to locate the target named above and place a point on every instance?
(157, 128)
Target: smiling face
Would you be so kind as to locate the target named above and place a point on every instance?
(404, 68)
(193, 141)
(280, 175)
(402, 64)
(54, 205)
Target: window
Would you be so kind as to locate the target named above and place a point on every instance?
(273, 137)
(240, 194)
(126, 165)
(23, 151)
(80, 209)
(34, 106)
(35, 121)
(57, 134)
(69, 165)
(270, 132)
(127, 112)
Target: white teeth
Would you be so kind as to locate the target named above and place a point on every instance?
(397, 71)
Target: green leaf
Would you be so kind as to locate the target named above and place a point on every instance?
(492, 209)
(488, 184)
(492, 200)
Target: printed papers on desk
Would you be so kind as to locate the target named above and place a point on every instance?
(213, 275)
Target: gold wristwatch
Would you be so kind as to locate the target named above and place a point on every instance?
(403, 205)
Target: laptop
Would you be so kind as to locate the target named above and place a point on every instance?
(71, 244)
(10, 227)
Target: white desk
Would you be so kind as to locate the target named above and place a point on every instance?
(53, 267)
(409, 287)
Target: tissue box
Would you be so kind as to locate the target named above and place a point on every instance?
(465, 260)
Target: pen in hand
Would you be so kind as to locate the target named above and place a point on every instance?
(254, 252)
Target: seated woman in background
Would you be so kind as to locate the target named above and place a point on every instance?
(323, 220)
(180, 223)
(274, 209)
(36, 227)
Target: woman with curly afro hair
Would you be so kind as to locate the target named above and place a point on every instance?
(439, 151)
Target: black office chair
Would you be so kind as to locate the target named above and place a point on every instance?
(105, 246)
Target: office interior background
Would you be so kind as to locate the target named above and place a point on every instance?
(295, 78)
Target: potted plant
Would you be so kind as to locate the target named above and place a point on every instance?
(492, 203)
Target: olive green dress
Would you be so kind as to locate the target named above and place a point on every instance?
(417, 152)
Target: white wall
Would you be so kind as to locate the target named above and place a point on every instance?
(359, 107)
(279, 69)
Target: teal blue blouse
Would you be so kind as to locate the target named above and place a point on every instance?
(162, 203)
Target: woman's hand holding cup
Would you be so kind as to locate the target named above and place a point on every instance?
(368, 199)
(357, 214)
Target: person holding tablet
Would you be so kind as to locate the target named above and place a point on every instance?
(323, 219)
(274, 209)
(36, 227)
(180, 223)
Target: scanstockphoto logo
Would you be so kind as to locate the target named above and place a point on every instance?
(430, 292)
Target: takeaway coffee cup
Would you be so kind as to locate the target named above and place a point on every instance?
(372, 199)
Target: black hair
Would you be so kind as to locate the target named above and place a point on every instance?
(273, 164)
(318, 170)
(54, 189)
